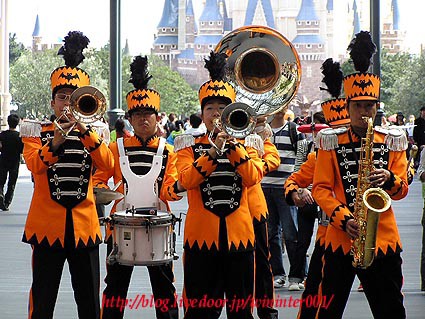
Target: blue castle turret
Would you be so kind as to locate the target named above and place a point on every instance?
(396, 15)
(308, 39)
(251, 12)
(356, 21)
(311, 50)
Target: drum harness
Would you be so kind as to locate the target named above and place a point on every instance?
(133, 201)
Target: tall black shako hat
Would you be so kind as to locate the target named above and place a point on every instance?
(334, 109)
(141, 97)
(217, 87)
(69, 75)
(362, 85)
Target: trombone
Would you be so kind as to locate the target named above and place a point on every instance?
(86, 105)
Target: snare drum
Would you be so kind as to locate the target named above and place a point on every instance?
(144, 240)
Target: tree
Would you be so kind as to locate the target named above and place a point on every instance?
(409, 94)
(30, 83)
(176, 94)
(16, 49)
(395, 70)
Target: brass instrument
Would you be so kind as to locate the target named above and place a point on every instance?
(86, 104)
(370, 202)
(265, 70)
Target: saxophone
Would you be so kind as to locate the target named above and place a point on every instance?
(370, 202)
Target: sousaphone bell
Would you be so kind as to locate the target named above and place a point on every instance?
(265, 70)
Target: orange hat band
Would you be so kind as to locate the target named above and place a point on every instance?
(216, 89)
(146, 98)
(362, 86)
(66, 76)
(335, 111)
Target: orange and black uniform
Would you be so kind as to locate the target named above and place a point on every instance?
(302, 179)
(219, 235)
(62, 222)
(334, 189)
(264, 291)
(118, 276)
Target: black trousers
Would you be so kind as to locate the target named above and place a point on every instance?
(210, 277)
(264, 291)
(118, 280)
(382, 283)
(308, 307)
(307, 216)
(13, 172)
(47, 266)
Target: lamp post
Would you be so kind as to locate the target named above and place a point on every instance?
(115, 63)
(4, 64)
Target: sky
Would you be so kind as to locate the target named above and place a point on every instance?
(139, 19)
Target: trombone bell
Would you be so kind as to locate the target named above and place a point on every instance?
(87, 104)
(238, 120)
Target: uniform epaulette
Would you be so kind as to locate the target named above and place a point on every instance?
(327, 139)
(182, 141)
(395, 138)
(255, 141)
(30, 128)
(265, 131)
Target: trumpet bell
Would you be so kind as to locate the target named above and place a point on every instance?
(264, 67)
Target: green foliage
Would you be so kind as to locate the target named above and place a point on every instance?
(176, 94)
(401, 82)
(30, 83)
(409, 91)
(395, 69)
(16, 49)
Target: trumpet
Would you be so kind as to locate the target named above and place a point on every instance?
(86, 105)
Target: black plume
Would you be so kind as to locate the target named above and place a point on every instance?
(216, 65)
(139, 72)
(361, 50)
(72, 50)
(332, 77)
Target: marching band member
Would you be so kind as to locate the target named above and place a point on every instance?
(62, 222)
(269, 155)
(296, 192)
(142, 172)
(340, 175)
(219, 237)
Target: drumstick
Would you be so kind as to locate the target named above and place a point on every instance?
(117, 185)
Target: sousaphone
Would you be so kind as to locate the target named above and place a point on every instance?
(265, 70)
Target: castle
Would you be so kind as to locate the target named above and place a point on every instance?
(318, 29)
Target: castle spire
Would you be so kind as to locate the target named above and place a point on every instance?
(330, 5)
(307, 11)
(356, 21)
(170, 14)
(261, 8)
(396, 15)
(211, 12)
(36, 32)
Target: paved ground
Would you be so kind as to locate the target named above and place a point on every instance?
(15, 270)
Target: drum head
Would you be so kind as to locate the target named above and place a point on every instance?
(128, 218)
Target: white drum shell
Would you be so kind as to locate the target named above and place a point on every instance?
(143, 240)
